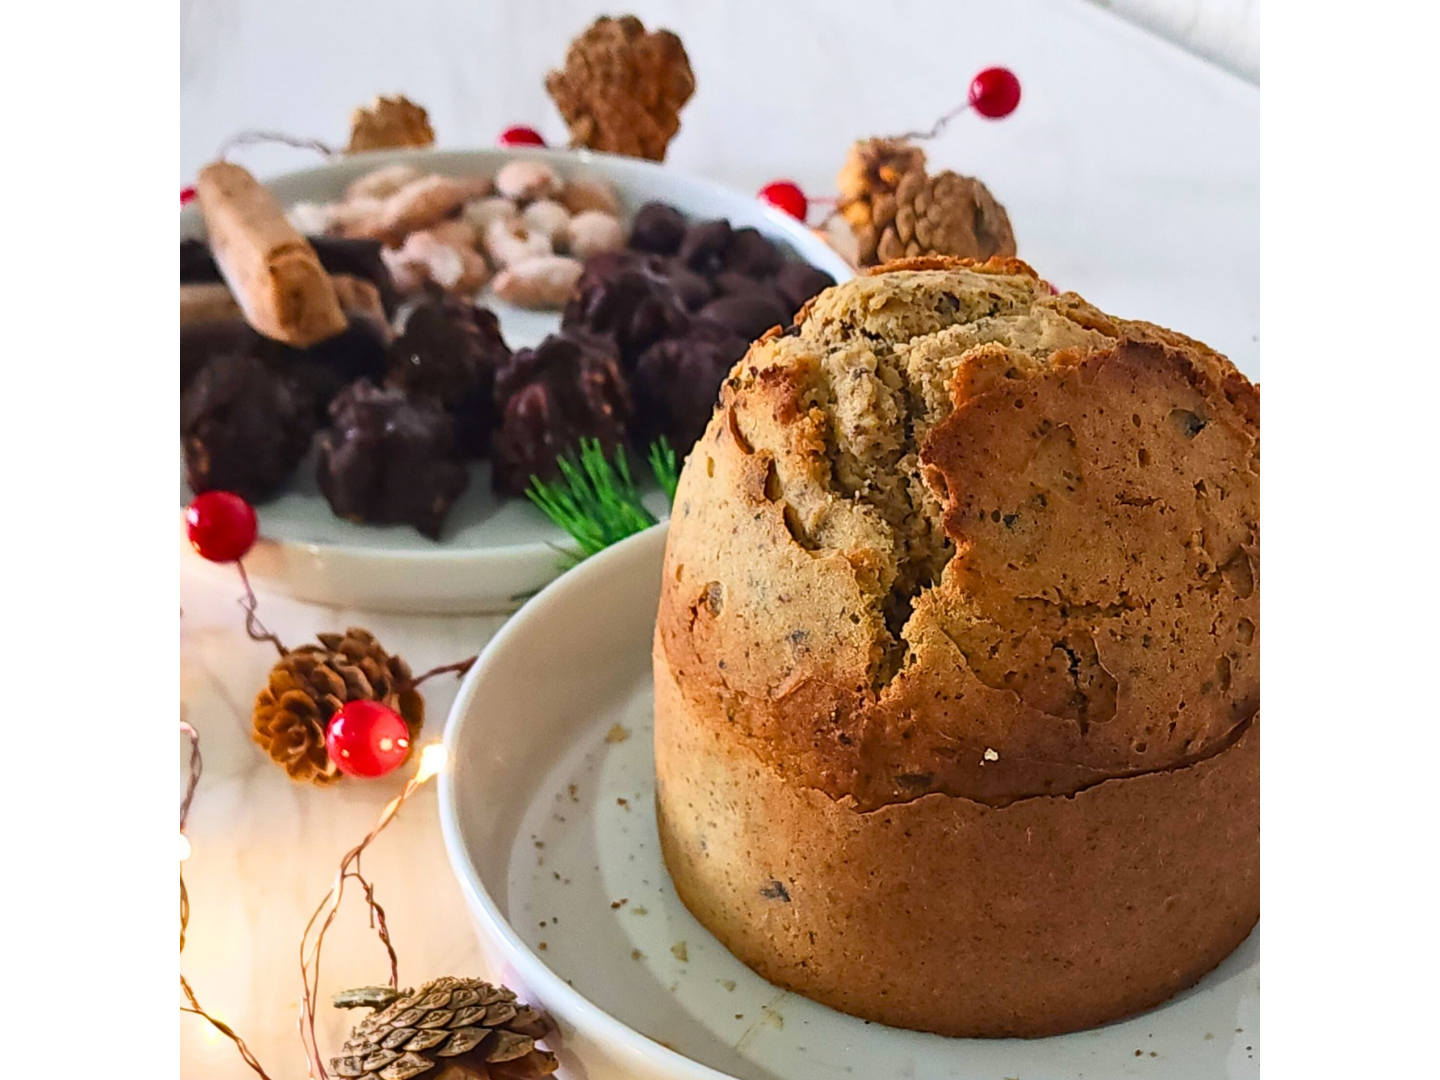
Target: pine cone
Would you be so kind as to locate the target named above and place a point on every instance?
(622, 88)
(308, 686)
(897, 210)
(389, 124)
(867, 183)
(473, 1030)
(875, 167)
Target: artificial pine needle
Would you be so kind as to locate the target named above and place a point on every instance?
(664, 466)
(595, 499)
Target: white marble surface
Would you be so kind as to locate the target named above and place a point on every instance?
(265, 850)
(1131, 171)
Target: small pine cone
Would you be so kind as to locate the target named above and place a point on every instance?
(897, 210)
(875, 166)
(389, 124)
(945, 214)
(308, 686)
(868, 180)
(477, 1031)
(622, 88)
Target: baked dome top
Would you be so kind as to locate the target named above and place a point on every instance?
(952, 533)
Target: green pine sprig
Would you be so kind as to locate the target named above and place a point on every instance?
(665, 466)
(595, 499)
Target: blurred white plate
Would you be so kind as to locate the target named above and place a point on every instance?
(494, 552)
(553, 838)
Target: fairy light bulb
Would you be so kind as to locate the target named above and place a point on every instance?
(432, 761)
(184, 847)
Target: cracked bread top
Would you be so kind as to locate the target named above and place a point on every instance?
(951, 533)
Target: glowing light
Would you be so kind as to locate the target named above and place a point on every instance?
(432, 761)
(184, 847)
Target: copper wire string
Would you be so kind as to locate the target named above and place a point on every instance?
(254, 628)
(256, 138)
(460, 667)
(936, 128)
(324, 916)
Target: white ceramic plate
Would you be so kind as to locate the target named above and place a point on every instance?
(495, 552)
(553, 838)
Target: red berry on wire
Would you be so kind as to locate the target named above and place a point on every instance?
(367, 739)
(221, 526)
(186, 194)
(521, 136)
(995, 92)
(787, 196)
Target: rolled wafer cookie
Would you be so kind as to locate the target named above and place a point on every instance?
(271, 269)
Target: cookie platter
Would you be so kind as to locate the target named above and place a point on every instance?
(493, 551)
(554, 841)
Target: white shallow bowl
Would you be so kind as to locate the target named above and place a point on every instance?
(494, 552)
(549, 822)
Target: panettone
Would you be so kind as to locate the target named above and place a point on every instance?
(957, 658)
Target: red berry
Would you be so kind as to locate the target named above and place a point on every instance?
(787, 196)
(521, 136)
(995, 92)
(221, 526)
(367, 739)
(186, 194)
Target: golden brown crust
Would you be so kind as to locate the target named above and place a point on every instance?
(1066, 577)
(953, 547)
(943, 914)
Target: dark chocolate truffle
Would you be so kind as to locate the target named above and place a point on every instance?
(567, 388)
(360, 351)
(449, 349)
(658, 228)
(696, 290)
(747, 314)
(750, 253)
(390, 460)
(705, 245)
(676, 383)
(680, 305)
(202, 342)
(797, 282)
(628, 299)
(733, 283)
(243, 427)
